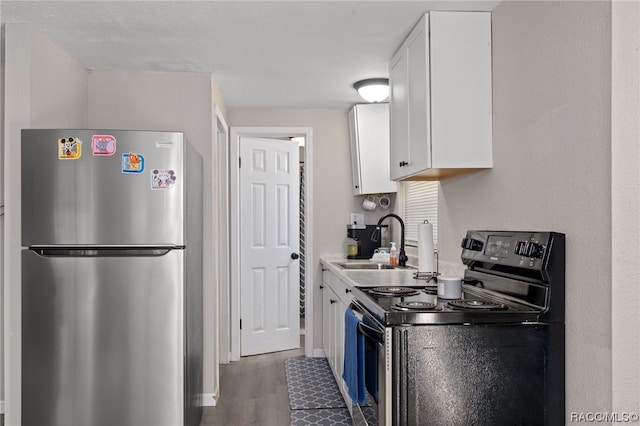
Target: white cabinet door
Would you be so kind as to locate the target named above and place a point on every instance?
(418, 99)
(410, 108)
(461, 113)
(341, 309)
(328, 327)
(440, 101)
(369, 128)
(398, 113)
(338, 316)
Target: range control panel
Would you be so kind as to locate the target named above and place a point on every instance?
(519, 249)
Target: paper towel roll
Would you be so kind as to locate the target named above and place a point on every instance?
(425, 248)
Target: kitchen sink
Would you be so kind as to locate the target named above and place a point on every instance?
(364, 265)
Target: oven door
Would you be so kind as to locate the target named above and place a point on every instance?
(377, 360)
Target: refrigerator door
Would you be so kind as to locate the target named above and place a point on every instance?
(102, 187)
(102, 340)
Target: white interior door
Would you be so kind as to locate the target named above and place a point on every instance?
(269, 244)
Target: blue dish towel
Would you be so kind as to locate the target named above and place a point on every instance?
(353, 373)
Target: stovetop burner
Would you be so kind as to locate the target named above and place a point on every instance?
(475, 304)
(393, 305)
(394, 291)
(416, 306)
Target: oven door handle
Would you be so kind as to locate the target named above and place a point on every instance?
(371, 332)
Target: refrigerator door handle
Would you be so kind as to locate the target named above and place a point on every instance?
(104, 251)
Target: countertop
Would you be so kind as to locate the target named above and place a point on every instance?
(371, 277)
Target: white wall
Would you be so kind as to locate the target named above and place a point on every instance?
(43, 87)
(169, 102)
(332, 196)
(552, 167)
(625, 194)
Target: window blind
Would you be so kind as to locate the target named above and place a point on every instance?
(420, 204)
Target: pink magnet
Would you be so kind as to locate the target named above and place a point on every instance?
(103, 145)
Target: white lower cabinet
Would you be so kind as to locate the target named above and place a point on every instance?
(336, 297)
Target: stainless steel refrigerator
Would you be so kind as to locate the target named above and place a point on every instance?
(111, 278)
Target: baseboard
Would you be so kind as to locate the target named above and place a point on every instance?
(209, 400)
(319, 353)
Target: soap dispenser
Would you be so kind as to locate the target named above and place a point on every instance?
(393, 255)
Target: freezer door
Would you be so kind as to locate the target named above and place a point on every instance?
(102, 187)
(102, 340)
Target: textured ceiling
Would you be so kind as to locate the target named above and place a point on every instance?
(262, 54)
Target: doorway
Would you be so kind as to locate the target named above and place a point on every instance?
(269, 245)
(234, 342)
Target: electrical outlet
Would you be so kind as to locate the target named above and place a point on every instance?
(357, 220)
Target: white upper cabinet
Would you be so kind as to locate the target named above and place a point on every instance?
(440, 100)
(369, 128)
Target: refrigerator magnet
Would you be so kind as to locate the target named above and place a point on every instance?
(103, 145)
(132, 162)
(69, 148)
(162, 179)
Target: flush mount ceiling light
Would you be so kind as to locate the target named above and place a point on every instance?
(373, 89)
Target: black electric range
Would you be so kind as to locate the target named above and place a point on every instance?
(511, 277)
(494, 356)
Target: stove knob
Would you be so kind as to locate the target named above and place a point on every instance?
(535, 250)
(471, 244)
(521, 248)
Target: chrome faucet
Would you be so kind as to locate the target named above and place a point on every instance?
(402, 257)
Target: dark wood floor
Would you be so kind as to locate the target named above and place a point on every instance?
(253, 391)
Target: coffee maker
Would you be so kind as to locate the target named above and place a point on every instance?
(361, 234)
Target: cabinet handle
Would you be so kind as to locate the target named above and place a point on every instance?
(347, 290)
(321, 287)
(332, 301)
(403, 163)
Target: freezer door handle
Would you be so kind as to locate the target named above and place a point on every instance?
(103, 251)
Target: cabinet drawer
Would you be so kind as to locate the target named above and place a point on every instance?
(331, 279)
(341, 289)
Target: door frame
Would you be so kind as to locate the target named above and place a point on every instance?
(220, 250)
(234, 217)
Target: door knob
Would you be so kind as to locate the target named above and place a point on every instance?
(294, 256)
